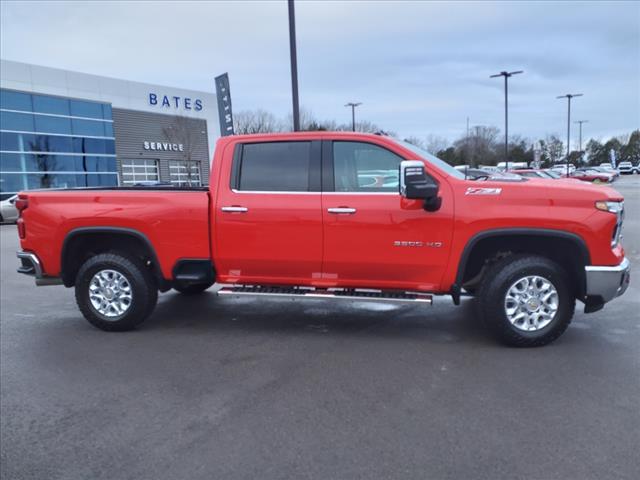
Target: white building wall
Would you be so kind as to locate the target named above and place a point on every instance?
(120, 93)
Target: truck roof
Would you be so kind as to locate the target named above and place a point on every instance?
(289, 135)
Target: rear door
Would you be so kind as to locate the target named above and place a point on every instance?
(373, 237)
(268, 219)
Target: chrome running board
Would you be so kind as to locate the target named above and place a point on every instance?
(341, 293)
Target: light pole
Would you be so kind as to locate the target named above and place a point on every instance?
(580, 122)
(506, 75)
(569, 96)
(353, 113)
(294, 66)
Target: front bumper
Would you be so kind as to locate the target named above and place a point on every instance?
(607, 283)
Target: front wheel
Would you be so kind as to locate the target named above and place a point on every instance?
(115, 293)
(525, 300)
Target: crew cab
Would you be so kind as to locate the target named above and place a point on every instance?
(335, 216)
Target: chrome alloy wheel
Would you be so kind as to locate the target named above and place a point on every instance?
(110, 293)
(531, 303)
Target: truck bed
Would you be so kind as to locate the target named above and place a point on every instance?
(175, 221)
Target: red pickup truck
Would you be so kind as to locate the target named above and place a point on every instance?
(334, 215)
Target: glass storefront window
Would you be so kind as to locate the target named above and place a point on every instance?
(88, 127)
(57, 154)
(15, 182)
(33, 162)
(80, 108)
(22, 122)
(49, 104)
(93, 145)
(48, 124)
(11, 100)
(106, 111)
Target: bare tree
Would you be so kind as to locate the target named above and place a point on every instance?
(415, 141)
(255, 121)
(44, 163)
(435, 144)
(552, 149)
(480, 145)
(181, 131)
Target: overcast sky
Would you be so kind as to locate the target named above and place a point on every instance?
(419, 68)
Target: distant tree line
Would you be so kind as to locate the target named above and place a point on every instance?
(483, 145)
(261, 121)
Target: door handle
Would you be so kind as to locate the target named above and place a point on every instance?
(235, 209)
(342, 210)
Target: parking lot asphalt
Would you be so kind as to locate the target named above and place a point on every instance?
(230, 388)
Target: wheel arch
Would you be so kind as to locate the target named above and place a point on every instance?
(566, 248)
(83, 242)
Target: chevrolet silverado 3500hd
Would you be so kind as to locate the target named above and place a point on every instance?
(334, 215)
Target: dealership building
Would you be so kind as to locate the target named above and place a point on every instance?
(64, 129)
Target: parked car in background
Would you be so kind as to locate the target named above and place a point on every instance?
(553, 174)
(561, 168)
(627, 168)
(615, 173)
(512, 165)
(590, 175)
(534, 173)
(8, 211)
(482, 174)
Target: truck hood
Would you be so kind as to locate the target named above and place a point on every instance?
(561, 188)
(541, 191)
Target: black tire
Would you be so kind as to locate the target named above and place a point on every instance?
(192, 289)
(144, 291)
(492, 294)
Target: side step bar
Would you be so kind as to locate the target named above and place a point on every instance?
(342, 293)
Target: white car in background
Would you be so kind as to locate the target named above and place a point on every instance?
(626, 168)
(8, 211)
(561, 169)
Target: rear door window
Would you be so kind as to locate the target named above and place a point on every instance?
(275, 167)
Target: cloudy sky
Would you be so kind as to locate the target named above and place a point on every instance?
(420, 68)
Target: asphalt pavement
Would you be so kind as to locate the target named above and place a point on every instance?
(224, 388)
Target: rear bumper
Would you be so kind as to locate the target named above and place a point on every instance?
(607, 283)
(30, 265)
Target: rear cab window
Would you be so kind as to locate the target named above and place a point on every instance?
(281, 166)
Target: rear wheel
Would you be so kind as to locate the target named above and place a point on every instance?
(525, 300)
(114, 292)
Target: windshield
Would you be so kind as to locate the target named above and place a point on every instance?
(552, 174)
(442, 165)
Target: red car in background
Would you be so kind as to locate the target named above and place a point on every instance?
(590, 175)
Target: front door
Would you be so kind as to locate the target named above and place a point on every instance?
(373, 237)
(268, 226)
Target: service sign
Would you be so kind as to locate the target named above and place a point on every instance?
(163, 146)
